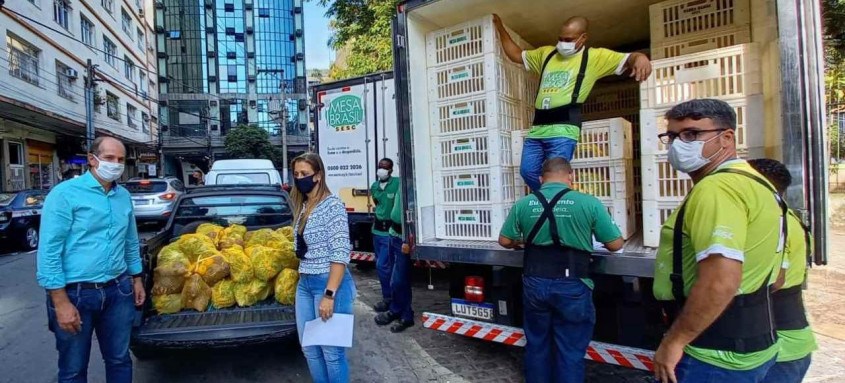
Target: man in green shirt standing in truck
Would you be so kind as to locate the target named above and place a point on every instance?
(383, 192)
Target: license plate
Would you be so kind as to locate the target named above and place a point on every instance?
(139, 202)
(483, 311)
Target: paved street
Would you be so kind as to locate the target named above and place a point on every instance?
(419, 355)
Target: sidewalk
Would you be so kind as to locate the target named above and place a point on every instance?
(825, 302)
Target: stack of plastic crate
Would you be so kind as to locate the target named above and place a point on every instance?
(702, 49)
(476, 101)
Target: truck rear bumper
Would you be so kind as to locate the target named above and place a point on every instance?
(597, 351)
(224, 328)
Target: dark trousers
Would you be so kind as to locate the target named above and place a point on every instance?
(107, 311)
(400, 281)
(691, 370)
(384, 264)
(559, 320)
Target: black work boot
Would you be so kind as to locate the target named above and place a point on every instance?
(386, 318)
(381, 306)
(401, 326)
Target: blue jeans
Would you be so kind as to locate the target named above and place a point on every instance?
(535, 151)
(109, 312)
(327, 364)
(400, 282)
(558, 324)
(788, 372)
(691, 370)
(384, 264)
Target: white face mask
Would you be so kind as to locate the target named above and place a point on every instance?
(382, 174)
(687, 157)
(109, 171)
(568, 49)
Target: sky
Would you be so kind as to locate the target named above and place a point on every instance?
(317, 53)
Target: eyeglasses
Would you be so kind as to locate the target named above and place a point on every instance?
(688, 135)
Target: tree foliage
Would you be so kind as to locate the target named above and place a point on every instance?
(250, 141)
(363, 28)
(834, 39)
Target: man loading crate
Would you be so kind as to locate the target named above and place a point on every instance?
(567, 72)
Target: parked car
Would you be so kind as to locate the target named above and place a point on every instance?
(243, 172)
(153, 198)
(20, 219)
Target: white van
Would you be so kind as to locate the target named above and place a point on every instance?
(240, 172)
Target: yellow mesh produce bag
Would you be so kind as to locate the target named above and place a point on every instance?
(250, 293)
(240, 265)
(211, 231)
(196, 294)
(232, 236)
(167, 304)
(196, 245)
(223, 294)
(261, 237)
(285, 286)
(266, 262)
(286, 232)
(169, 278)
(212, 268)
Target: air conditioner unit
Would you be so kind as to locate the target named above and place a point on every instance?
(71, 73)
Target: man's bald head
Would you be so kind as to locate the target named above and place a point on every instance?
(108, 149)
(556, 169)
(573, 29)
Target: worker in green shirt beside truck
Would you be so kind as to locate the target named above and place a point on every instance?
(383, 192)
(556, 226)
(720, 254)
(400, 281)
(795, 336)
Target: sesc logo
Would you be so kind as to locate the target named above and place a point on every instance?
(345, 113)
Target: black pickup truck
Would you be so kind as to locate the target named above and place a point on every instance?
(253, 206)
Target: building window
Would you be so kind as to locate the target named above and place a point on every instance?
(108, 5)
(232, 73)
(87, 31)
(61, 13)
(126, 22)
(15, 153)
(128, 69)
(23, 59)
(175, 35)
(110, 50)
(263, 12)
(145, 122)
(229, 7)
(142, 83)
(130, 116)
(112, 106)
(65, 76)
(140, 41)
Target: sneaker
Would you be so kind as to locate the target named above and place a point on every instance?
(386, 318)
(381, 306)
(401, 326)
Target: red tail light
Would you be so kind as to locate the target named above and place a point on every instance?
(474, 289)
(167, 196)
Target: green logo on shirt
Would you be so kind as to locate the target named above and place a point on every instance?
(554, 82)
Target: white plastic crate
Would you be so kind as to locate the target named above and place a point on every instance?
(517, 140)
(612, 100)
(488, 73)
(480, 113)
(465, 41)
(468, 151)
(722, 73)
(529, 117)
(473, 223)
(606, 180)
(678, 19)
(495, 184)
(661, 182)
(531, 85)
(622, 212)
(700, 42)
(609, 139)
(655, 215)
(749, 125)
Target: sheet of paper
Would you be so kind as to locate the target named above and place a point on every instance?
(337, 331)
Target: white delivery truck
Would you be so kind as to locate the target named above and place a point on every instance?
(356, 127)
(763, 54)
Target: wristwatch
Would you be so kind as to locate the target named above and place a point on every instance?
(329, 294)
(139, 275)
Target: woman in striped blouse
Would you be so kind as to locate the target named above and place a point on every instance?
(322, 244)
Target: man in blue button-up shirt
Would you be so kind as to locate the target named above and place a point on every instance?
(89, 263)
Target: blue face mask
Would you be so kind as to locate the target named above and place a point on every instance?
(305, 184)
